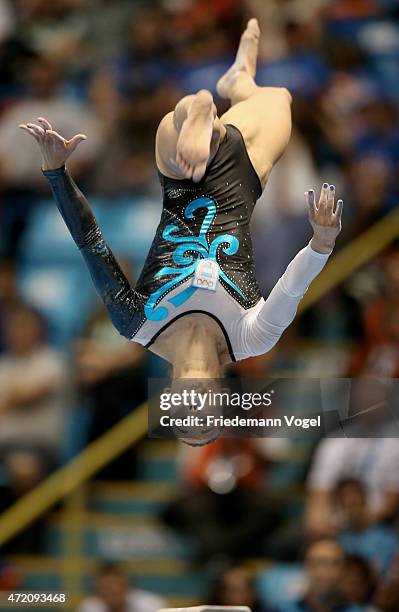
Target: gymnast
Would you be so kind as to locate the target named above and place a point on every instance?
(197, 303)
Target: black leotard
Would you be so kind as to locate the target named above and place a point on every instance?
(205, 220)
(214, 216)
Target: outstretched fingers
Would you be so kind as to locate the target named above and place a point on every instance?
(330, 201)
(326, 208)
(338, 213)
(75, 141)
(55, 149)
(44, 123)
(323, 195)
(326, 212)
(39, 131)
(253, 25)
(311, 200)
(53, 138)
(45, 133)
(322, 207)
(24, 127)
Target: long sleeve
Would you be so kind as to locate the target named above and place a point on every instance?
(120, 300)
(263, 330)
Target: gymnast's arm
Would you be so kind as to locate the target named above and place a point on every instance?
(262, 331)
(118, 297)
(120, 300)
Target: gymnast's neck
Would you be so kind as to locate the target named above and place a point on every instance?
(197, 354)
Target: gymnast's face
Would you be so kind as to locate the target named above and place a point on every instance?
(200, 394)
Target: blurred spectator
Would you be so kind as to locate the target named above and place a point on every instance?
(379, 353)
(368, 460)
(144, 61)
(15, 53)
(112, 378)
(7, 21)
(360, 123)
(376, 543)
(373, 170)
(8, 294)
(10, 579)
(19, 161)
(33, 405)
(114, 593)
(387, 595)
(352, 9)
(280, 222)
(128, 162)
(20, 178)
(326, 567)
(236, 587)
(359, 583)
(32, 375)
(225, 504)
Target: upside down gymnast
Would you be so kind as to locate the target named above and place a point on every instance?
(212, 171)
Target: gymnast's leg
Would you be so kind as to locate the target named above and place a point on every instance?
(188, 138)
(262, 114)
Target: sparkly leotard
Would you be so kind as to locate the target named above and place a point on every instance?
(208, 220)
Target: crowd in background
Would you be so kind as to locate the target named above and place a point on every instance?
(112, 70)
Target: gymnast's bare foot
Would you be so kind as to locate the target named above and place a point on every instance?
(194, 144)
(245, 62)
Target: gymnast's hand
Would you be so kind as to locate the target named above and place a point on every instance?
(324, 218)
(54, 148)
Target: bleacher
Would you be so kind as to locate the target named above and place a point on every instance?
(121, 521)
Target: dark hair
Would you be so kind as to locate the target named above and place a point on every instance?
(349, 482)
(366, 569)
(110, 567)
(390, 249)
(200, 442)
(219, 580)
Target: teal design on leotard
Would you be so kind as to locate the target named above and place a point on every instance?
(189, 251)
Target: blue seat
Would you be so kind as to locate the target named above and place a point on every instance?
(63, 294)
(47, 238)
(202, 75)
(281, 584)
(129, 226)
